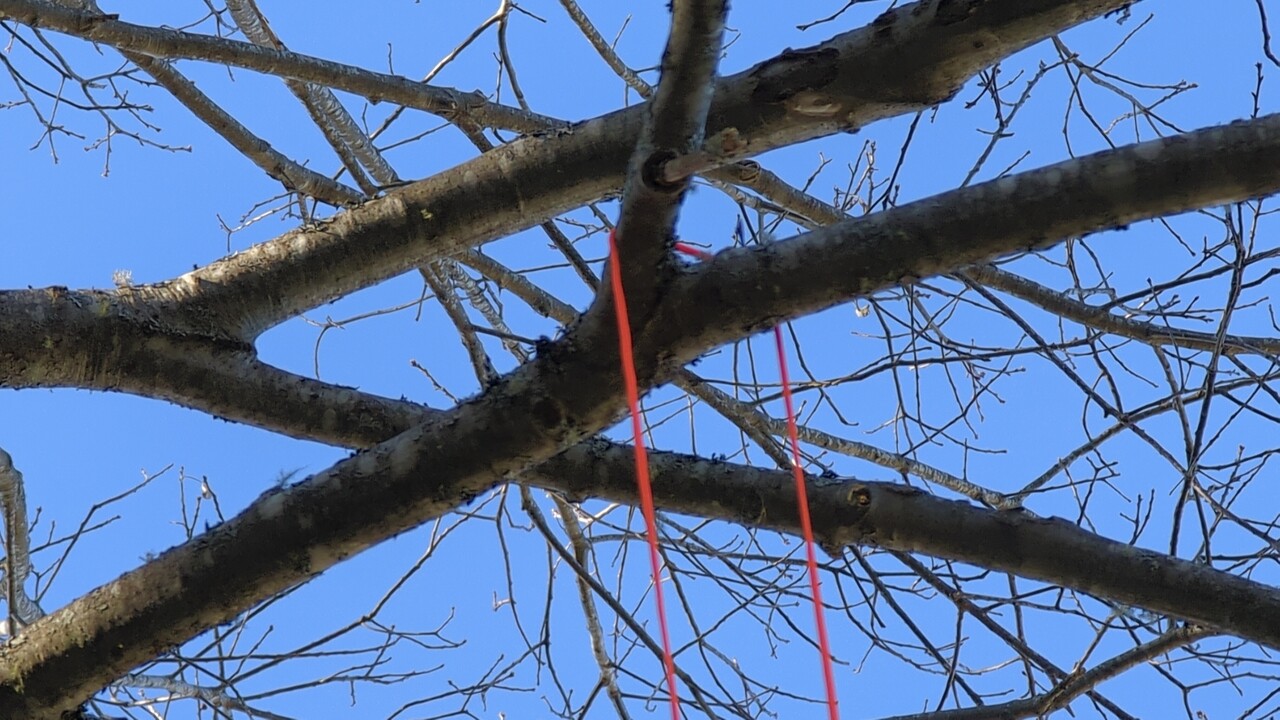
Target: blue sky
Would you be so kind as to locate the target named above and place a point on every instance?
(158, 213)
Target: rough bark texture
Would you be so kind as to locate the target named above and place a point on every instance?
(908, 60)
(571, 390)
(895, 517)
(189, 340)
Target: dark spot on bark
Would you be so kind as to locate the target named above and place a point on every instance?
(548, 413)
(747, 170)
(1122, 13)
(885, 18)
(794, 71)
(832, 549)
(651, 172)
(542, 346)
(954, 11)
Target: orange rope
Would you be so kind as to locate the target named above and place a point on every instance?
(802, 502)
(642, 465)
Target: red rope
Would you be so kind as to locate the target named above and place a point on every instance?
(802, 502)
(642, 465)
(806, 527)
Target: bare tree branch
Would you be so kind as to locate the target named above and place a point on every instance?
(896, 517)
(571, 390)
(17, 548)
(1104, 320)
(744, 290)
(676, 120)
(854, 76)
(172, 44)
(1073, 686)
(190, 340)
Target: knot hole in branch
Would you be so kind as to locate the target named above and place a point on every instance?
(653, 172)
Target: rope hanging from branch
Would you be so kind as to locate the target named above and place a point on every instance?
(642, 464)
(646, 492)
(802, 505)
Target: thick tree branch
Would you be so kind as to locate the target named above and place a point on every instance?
(677, 117)
(810, 212)
(910, 59)
(712, 303)
(897, 517)
(674, 125)
(572, 390)
(423, 473)
(741, 291)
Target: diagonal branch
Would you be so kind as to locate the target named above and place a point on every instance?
(1073, 686)
(906, 61)
(639, 262)
(896, 517)
(174, 44)
(346, 138)
(1102, 319)
(742, 290)
(275, 164)
(810, 212)
(571, 391)
(713, 303)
